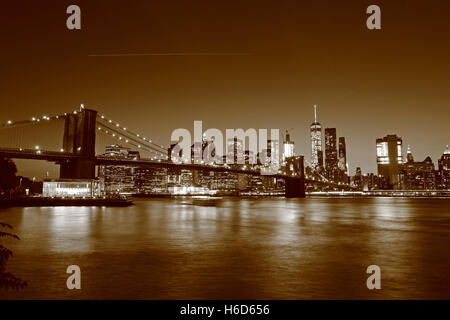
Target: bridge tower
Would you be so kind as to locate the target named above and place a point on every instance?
(79, 138)
(295, 183)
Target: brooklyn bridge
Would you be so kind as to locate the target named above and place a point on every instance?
(77, 158)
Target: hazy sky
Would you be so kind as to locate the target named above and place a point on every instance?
(366, 83)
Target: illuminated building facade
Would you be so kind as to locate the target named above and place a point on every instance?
(342, 162)
(331, 157)
(443, 172)
(118, 178)
(288, 147)
(417, 175)
(151, 180)
(316, 143)
(71, 188)
(389, 159)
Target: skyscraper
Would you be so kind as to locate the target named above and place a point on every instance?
(316, 143)
(288, 147)
(235, 151)
(331, 158)
(389, 158)
(342, 164)
(343, 155)
(358, 179)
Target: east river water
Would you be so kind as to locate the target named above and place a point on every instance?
(274, 248)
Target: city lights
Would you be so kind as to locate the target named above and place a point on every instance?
(387, 156)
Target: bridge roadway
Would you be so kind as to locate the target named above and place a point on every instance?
(105, 160)
(36, 154)
(58, 157)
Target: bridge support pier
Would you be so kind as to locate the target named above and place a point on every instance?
(294, 188)
(79, 138)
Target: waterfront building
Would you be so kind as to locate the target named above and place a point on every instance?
(151, 180)
(118, 178)
(417, 175)
(389, 159)
(316, 144)
(64, 188)
(358, 179)
(226, 181)
(372, 182)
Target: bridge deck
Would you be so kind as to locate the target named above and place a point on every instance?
(54, 156)
(58, 157)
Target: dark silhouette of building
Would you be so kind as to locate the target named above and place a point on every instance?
(331, 157)
(358, 179)
(373, 182)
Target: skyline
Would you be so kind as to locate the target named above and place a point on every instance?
(115, 139)
(366, 84)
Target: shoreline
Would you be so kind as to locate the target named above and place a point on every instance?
(49, 202)
(118, 202)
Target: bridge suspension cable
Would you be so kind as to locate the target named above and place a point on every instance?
(19, 134)
(128, 140)
(137, 138)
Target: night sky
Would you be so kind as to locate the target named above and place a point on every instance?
(269, 63)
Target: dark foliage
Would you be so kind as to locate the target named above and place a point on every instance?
(8, 172)
(7, 280)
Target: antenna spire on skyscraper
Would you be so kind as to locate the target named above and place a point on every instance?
(315, 113)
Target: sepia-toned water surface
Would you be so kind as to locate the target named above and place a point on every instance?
(313, 248)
